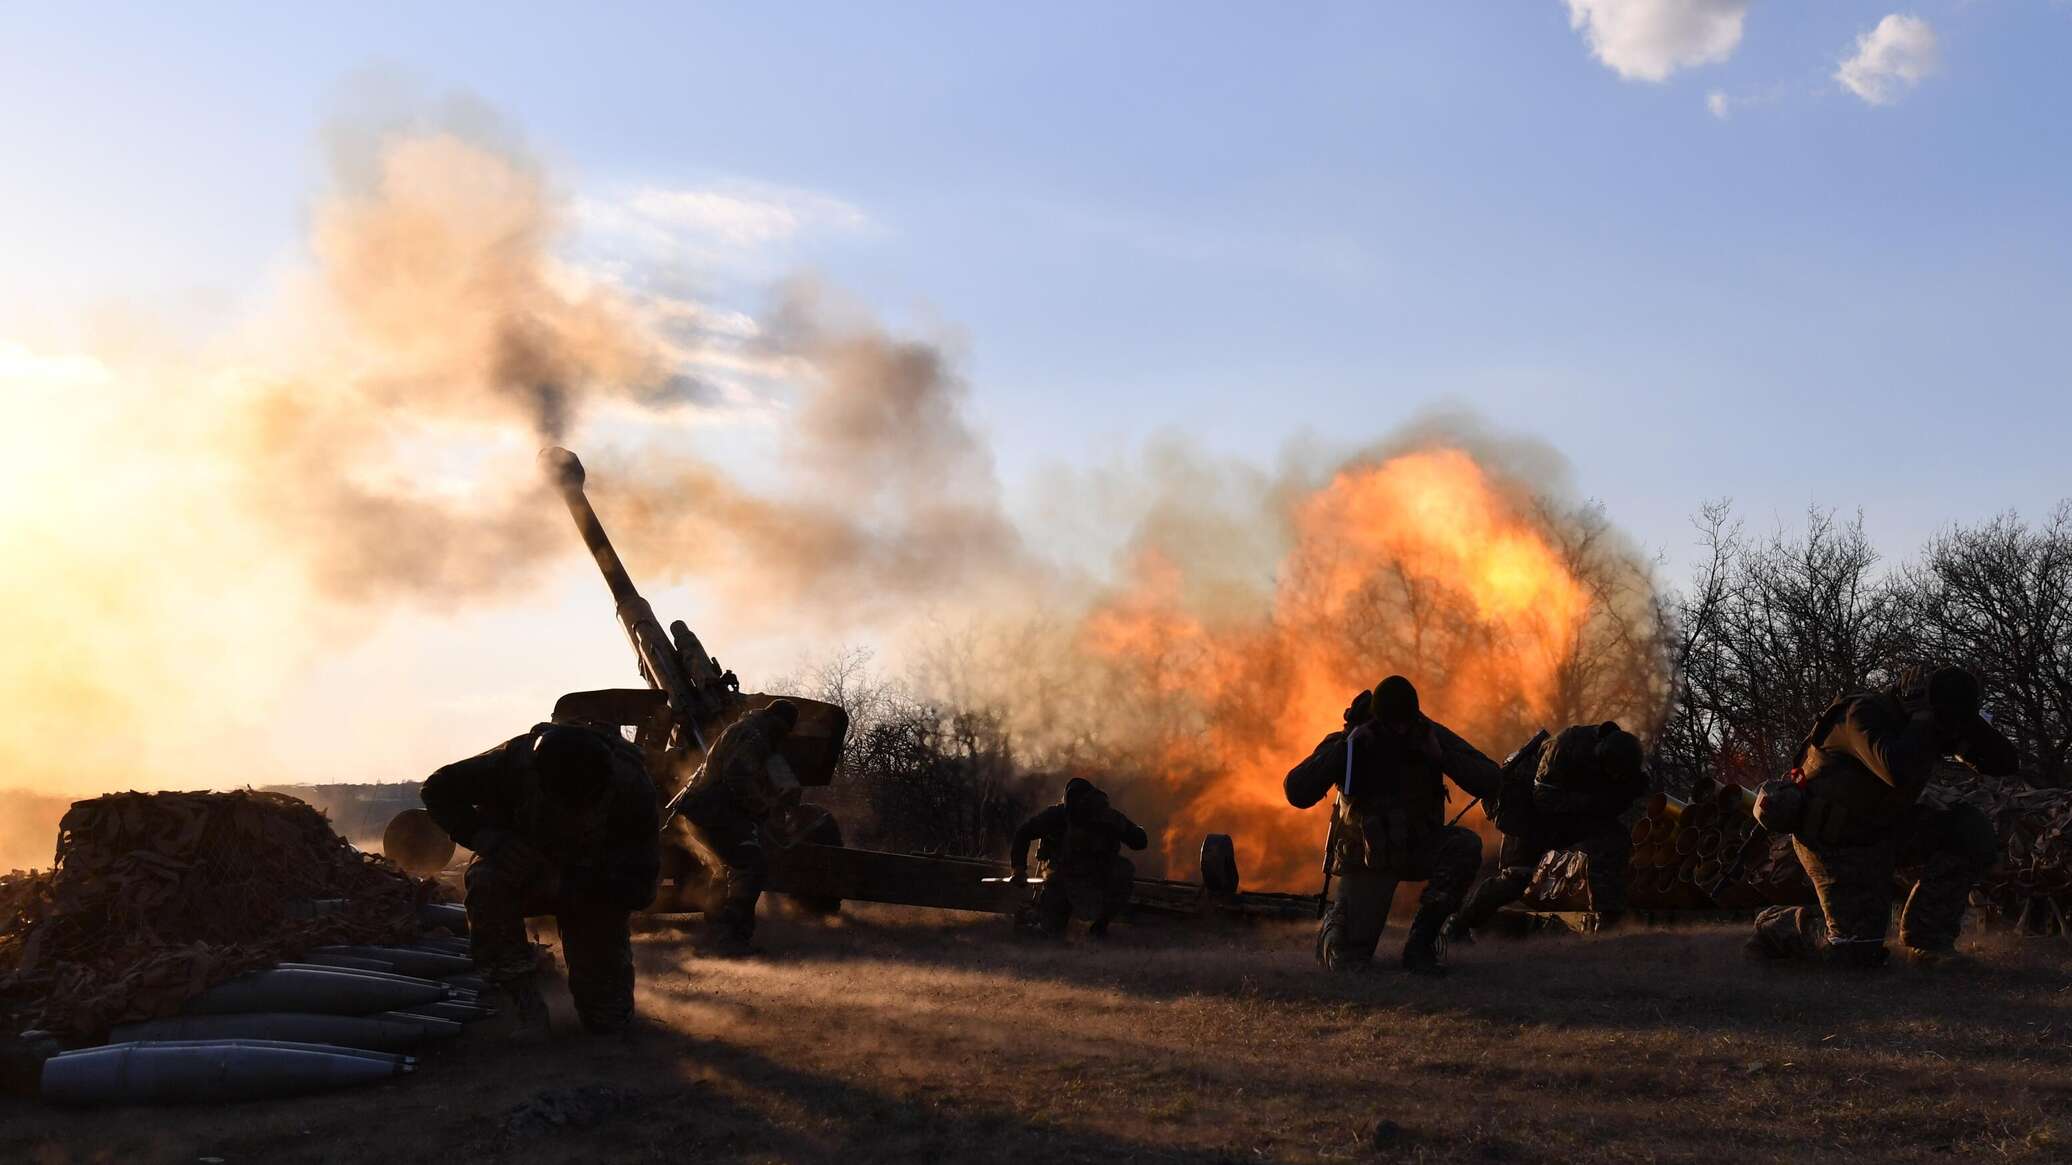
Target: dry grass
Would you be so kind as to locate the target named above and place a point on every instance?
(903, 1035)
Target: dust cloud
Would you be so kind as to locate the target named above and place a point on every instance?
(186, 531)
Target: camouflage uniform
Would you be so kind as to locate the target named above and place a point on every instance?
(724, 812)
(1864, 769)
(1391, 828)
(588, 869)
(1081, 854)
(1575, 803)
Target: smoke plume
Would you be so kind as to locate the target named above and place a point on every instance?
(188, 531)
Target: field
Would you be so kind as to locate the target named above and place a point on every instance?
(906, 1035)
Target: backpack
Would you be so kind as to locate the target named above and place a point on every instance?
(1569, 778)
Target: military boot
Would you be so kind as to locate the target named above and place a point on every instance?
(1938, 959)
(1425, 952)
(529, 1007)
(1458, 933)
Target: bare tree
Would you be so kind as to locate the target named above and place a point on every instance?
(1998, 598)
(1776, 630)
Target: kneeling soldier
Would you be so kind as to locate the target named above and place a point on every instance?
(1853, 809)
(563, 822)
(1081, 850)
(1391, 824)
(1583, 780)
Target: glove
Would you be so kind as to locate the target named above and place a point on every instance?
(1360, 710)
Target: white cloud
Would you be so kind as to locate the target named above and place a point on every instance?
(1649, 39)
(715, 224)
(1718, 104)
(20, 367)
(1890, 59)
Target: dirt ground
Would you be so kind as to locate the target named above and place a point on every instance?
(913, 1036)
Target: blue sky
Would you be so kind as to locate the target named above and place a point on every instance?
(1244, 223)
(1236, 221)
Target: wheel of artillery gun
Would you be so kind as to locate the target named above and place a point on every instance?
(416, 843)
(1219, 865)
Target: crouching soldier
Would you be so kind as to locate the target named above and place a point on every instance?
(726, 806)
(1390, 824)
(1582, 781)
(1081, 839)
(563, 822)
(1852, 807)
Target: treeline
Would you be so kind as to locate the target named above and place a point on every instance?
(1772, 628)
(918, 776)
(1735, 665)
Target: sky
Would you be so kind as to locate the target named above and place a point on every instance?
(1790, 254)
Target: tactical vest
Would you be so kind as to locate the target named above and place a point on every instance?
(1393, 794)
(1569, 778)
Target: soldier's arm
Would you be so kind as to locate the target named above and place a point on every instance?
(1472, 771)
(1306, 783)
(1130, 833)
(747, 753)
(1899, 752)
(1984, 748)
(454, 795)
(1044, 822)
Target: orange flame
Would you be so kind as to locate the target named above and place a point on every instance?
(1420, 564)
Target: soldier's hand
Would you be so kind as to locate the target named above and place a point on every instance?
(1018, 874)
(1360, 710)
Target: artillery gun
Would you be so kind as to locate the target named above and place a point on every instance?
(690, 699)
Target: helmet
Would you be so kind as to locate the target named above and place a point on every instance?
(574, 764)
(1395, 701)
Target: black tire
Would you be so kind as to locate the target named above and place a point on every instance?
(1219, 865)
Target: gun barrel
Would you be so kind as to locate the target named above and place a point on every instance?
(659, 660)
(566, 472)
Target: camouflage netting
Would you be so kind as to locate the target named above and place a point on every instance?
(2030, 885)
(157, 896)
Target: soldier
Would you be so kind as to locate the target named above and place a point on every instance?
(1390, 824)
(725, 807)
(563, 821)
(1582, 781)
(1854, 814)
(1082, 838)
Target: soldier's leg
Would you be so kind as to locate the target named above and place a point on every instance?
(1954, 847)
(501, 895)
(735, 840)
(1516, 860)
(1359, 912)
(597, 944)
(1854, 885)
(1053, 903)
(1608, 849)
(1115, 893)
(1448, 857)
